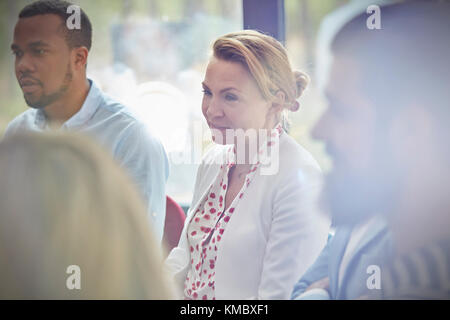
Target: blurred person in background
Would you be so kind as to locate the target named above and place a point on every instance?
(65, 202)
(250, 233)
(387, 131)
(50, 66)
(361, 238)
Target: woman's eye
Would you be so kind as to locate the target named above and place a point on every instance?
(206, 92)
(230, 97)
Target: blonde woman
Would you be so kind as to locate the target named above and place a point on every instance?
(72, 225)
(252, 229)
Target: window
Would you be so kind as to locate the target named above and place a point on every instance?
(151, 55)
(303, 18)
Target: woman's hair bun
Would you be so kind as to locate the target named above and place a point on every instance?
(301, 81)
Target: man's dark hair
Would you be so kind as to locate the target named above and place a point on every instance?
(75, 38)
(406, 60)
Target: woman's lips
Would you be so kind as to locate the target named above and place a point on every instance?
(218, 127)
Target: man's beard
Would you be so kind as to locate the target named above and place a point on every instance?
(47, 99)
(353, 197)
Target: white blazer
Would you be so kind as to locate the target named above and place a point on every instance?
(275, 234)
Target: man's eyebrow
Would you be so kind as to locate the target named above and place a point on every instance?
(38, 44)
(14, 47)
(327, 94)
(330, 97)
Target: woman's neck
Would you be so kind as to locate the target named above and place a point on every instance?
(247, 147)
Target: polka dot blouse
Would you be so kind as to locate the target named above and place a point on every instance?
(208, 224)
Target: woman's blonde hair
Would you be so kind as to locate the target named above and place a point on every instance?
(266, 60)
(64, 201)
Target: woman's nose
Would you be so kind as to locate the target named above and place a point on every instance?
(214, 108)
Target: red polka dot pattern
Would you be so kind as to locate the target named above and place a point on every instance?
(207, 227)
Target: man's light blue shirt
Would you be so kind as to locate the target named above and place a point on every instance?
(117, 129)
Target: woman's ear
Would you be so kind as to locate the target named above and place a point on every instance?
(277, 104)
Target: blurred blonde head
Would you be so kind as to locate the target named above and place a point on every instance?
(266, 60)
(64, 201)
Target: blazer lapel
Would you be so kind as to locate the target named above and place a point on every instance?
(376, 228)
(209, 178)
(337, 249)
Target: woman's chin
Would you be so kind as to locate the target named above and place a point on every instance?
(219, 135)
(221, 140)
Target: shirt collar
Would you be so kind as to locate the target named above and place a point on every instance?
(89, 107)
(271, 141)
(40, 120)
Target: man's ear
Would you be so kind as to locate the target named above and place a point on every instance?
(413, 130)
(80, 57)
(278, 102)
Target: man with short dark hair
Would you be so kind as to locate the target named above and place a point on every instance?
(50, 64)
